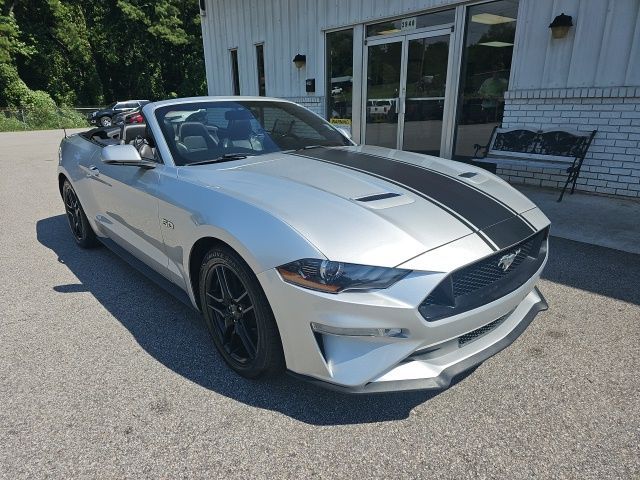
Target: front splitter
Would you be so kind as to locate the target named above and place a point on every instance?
(443, 380)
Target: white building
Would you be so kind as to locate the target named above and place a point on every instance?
(452, 70)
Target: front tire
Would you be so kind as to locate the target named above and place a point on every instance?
(105, 121)
(238, 316)
(78, 223)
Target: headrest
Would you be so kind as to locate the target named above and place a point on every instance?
(240, 114)
(192, 129)
(130, 132)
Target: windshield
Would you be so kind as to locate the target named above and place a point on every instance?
(197, 132)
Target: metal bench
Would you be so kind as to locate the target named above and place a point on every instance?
(563, 150)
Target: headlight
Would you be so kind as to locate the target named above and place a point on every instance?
(334, 277)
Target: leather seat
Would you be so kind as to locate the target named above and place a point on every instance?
(131, 132)
(239, 134)
(240, 131)
(138, 136)
(195, 137)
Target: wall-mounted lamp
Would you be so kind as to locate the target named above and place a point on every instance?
(299, 60)
(561, 25)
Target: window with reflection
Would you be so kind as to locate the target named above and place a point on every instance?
(262, 87)
(407, 24)
(235, 75)
(486, 65)
(339, 82)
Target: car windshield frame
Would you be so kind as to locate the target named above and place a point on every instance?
(219, 127)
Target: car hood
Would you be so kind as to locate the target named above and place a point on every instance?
(373, 205)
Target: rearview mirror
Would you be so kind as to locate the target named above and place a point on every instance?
(124, 155)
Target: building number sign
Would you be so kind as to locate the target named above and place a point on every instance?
(408, 23)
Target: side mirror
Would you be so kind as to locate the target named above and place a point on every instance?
(125, 155)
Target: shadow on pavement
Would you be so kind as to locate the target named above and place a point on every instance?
(604, 271)
(175, 336)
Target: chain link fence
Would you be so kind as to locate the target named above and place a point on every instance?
(16, 119)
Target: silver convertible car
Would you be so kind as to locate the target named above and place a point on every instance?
(361, 268)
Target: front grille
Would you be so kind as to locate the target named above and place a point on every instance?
(474, 277)
(486, 280)
(479, 332)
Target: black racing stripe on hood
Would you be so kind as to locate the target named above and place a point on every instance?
(449, 211)
(478, 209)
(508, 233)
(453, 177)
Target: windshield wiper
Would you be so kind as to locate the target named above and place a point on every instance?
(221, 158)
(308, 147)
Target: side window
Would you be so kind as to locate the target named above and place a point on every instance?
(118, 106)
(262, 89)
(235, 75)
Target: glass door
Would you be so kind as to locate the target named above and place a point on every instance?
(406, 90)
(382, 107)
(426, 79)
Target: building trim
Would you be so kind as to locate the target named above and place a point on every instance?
(589, 92)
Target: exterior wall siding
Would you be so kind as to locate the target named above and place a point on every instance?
(286, 27)
(612, 165)
(601, 50)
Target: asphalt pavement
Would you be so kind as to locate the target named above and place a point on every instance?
(104, 375)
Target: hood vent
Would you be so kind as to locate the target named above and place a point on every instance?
(377, 196)
(378, 201)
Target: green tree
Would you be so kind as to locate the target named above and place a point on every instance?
(94, 51)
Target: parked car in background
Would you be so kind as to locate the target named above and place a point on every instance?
(105, 117)
(380, 109)
(128, 118)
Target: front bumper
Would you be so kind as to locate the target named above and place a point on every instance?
(428, 356)
(444, 378)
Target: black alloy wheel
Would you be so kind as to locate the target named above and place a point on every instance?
(238, 315)
(78, 222)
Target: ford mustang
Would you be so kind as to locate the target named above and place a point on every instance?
(361, 268)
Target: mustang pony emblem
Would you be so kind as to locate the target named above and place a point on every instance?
(506, 261)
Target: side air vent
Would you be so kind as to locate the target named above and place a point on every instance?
(378, 196)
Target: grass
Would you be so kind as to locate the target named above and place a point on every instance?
(13, 120)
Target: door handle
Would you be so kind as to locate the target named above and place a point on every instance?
(93, 171)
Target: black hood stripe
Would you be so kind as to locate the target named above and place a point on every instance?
(469, 205)
(453, 177)
(462, 220)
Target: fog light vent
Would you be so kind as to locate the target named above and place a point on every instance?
(479, 332)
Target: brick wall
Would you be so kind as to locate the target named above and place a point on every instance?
(612, 165)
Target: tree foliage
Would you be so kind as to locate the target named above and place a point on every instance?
(91, 52)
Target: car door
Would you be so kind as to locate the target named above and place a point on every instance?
(127, 201)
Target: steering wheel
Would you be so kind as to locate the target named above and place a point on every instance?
(283, 133)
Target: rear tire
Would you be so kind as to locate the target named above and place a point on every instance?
(238, 316)
(78, 223)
